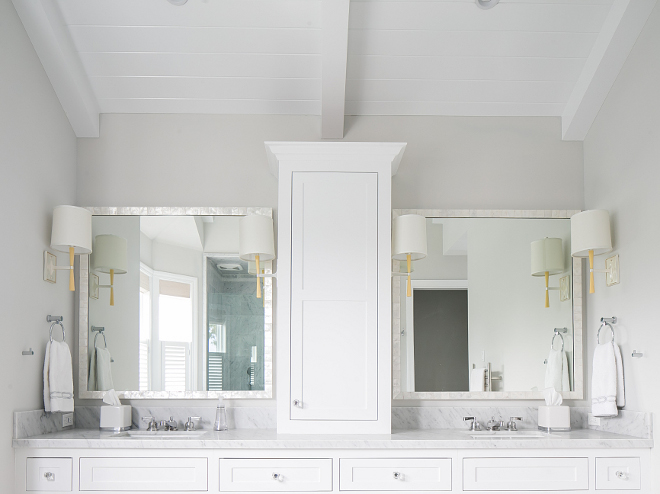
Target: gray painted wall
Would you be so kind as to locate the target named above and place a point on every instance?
(37, 166)
(622, 175)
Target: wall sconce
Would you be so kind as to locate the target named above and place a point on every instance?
(72, 233)
(547, 260)
(409, 241)
(110, 256)
(590, 236)
(256, 243)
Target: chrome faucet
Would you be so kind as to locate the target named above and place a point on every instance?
(474, 424)
(151, 423)
(190, 425)
(511, 425)
(169, 425)
(494, 425)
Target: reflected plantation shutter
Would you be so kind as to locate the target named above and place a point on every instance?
(174, 357)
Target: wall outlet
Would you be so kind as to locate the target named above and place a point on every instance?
(67, 420)
(591, 420)
(612, 267)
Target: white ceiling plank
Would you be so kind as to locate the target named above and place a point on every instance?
(268, 65)
(171, 39)
(45, 27)
(457, 108)
(206, 88)
(612, 47)
(334, 53)
(211, 107)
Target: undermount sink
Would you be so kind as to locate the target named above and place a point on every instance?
(507, 434)
(141, 434)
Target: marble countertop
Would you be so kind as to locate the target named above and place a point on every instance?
(269, 439)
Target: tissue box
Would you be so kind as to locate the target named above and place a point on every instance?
(554, 418)
(116, 418)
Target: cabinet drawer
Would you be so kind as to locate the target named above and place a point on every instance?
(386, 474)
(276, 475)
(48, 474)
(143, 474)
(618, 473)
(525, 474)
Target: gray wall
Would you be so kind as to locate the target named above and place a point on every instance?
(622, 174)
(37, 165)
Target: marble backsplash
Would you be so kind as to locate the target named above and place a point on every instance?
(36, 422)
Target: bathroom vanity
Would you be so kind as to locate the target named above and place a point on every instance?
(263, 461)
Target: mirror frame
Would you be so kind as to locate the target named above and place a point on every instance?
(578, 311)
(83, 310)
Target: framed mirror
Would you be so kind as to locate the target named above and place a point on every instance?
(167, 309)
(476, 325)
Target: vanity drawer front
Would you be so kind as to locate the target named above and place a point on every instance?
(396, 474)
(276, 475)
(143, 474)
(618, 473)
(525, 474)
(48, 474)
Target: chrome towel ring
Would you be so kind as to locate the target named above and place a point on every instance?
(605, 321)
(58, 323)
(552, 343)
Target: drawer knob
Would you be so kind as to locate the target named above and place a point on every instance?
(278, 477)
(621, 475)
(49, 476)
(297, 403)
(397, 476)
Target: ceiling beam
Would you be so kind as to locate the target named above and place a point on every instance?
(45, 26)
(333, 79)
(613, 45)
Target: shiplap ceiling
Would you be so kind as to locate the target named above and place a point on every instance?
(322, 57)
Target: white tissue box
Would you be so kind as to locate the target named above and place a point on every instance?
(116, 418)
(555, 418)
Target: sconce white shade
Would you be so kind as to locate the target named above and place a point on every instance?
(256, 238)
(72, 227)
(110, 252)
(590, 230)
(547, 256)
(409, 237)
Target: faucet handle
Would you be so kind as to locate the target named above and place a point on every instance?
(472, 424)
(190, 425)
(512, 423)
(151, 422)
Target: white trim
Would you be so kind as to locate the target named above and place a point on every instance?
(439, 284)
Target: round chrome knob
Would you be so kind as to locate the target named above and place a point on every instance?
(297, 403)
(397, 476)
(621, 475)
(278, 477)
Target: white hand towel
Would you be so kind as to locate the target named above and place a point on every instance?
(556, 371)
(100, 371)
(478, 379)
(58, 378)
(607, 386)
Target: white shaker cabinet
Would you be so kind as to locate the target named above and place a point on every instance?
(333, 288)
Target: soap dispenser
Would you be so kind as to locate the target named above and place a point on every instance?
(220, 417)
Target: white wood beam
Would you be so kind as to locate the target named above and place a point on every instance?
(613, 45)
(333, 80)
(45, 26)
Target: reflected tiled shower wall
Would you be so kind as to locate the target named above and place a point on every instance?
(232, 301)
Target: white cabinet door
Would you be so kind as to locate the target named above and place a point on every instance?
(144, 474)
(48, 474)
(276, 475)
(525, 474)
(618, 473)
(334, 296)
(395, 474)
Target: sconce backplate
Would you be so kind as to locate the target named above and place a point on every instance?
(612, 267)
(50, 261)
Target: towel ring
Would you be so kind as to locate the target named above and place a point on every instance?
(58, 323)
(552, 343)
(602, 325)
(100, 333)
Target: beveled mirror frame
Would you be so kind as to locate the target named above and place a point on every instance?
(578, 359)
(83, 310)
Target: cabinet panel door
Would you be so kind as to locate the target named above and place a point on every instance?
(48, 474)
(525, 474)
(143, 474)
(276, 475)
(618, 473)
(395, 474)
(334, 296)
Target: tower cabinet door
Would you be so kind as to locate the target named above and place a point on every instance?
(334, 296)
